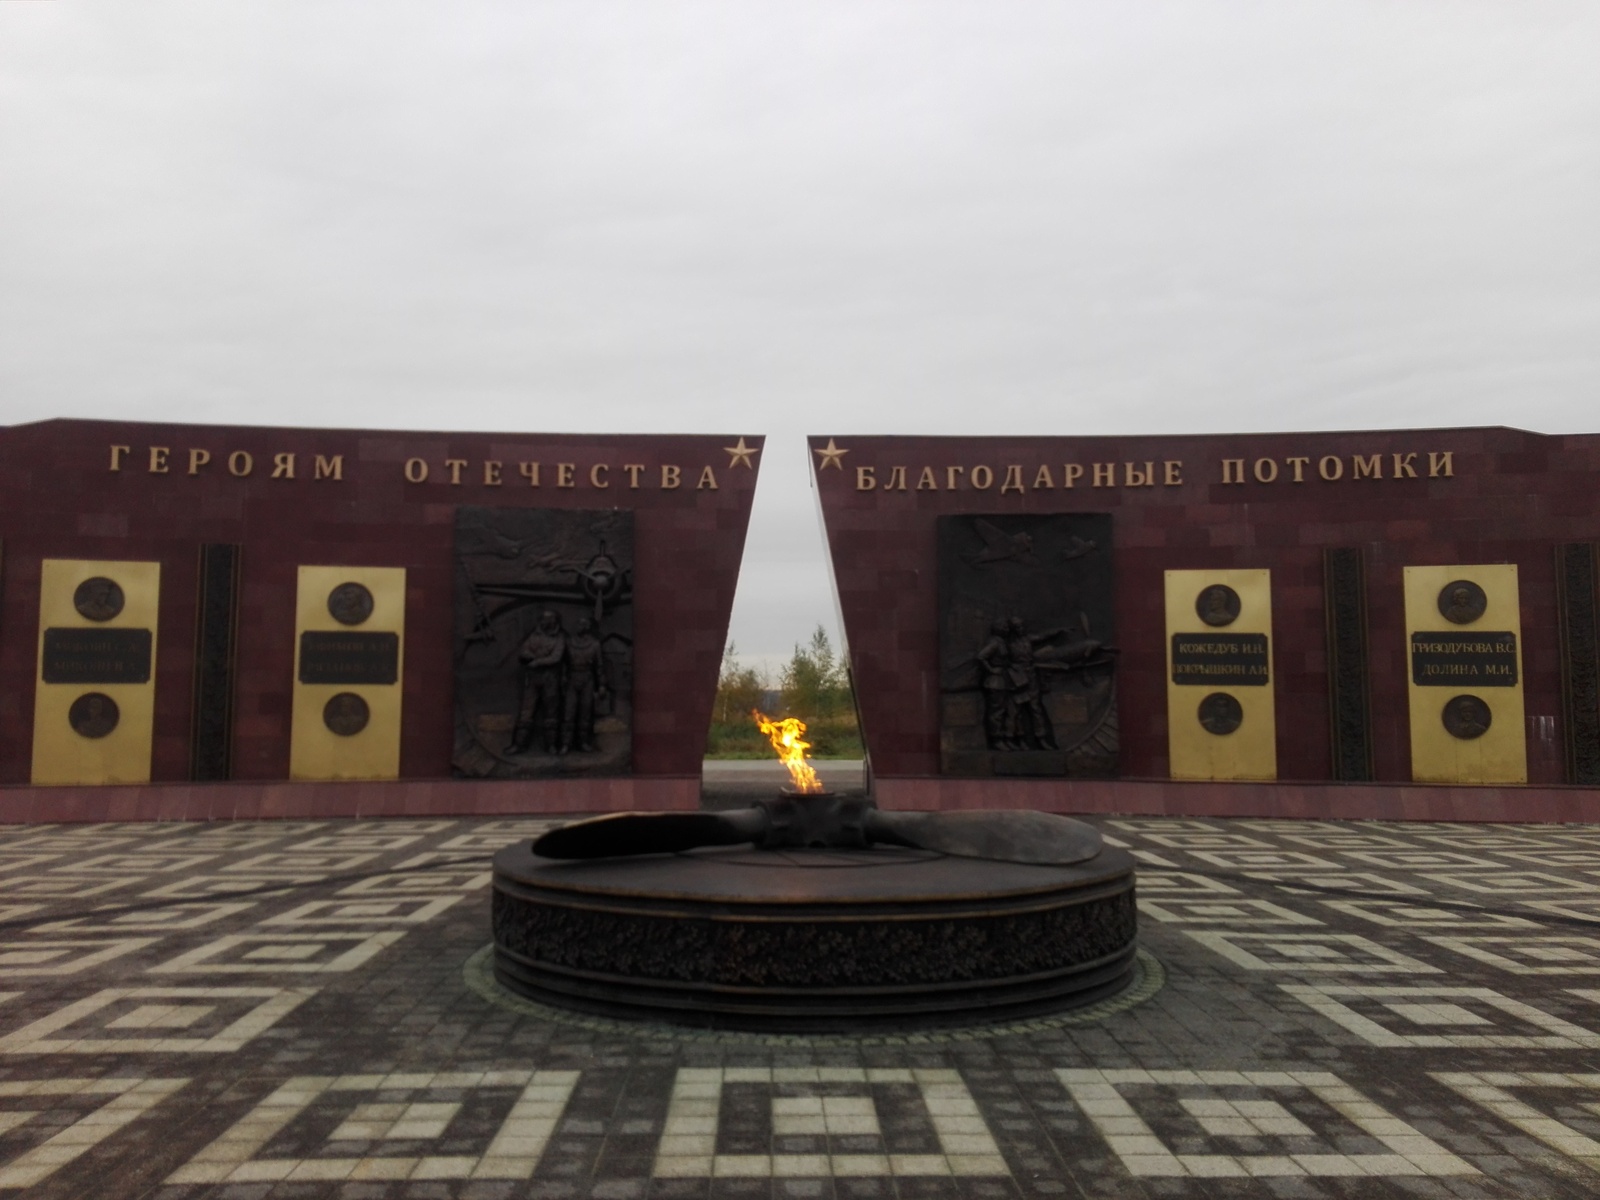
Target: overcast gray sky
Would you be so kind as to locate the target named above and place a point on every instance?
(786, 218)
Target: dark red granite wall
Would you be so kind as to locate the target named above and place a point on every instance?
(1510, 496)
(60, 499)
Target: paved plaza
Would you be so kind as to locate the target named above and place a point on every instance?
(276, 1010)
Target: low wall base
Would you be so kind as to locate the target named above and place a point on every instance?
(467, 798)
(1296, 801)
(374, 798)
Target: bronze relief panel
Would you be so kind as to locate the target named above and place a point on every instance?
(1026, 632)
(543, 642)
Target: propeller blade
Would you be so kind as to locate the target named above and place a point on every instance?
(1002, 836)
(647, 833)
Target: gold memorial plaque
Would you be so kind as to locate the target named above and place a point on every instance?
(1220, 714)
(94, 697)
(1464, 642)
(349, 664)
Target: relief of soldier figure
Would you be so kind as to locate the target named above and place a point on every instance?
(1013, 692)
(562, 679)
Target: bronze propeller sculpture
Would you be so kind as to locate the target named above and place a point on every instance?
(829, 821)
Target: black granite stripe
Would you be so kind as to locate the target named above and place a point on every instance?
(216, 637)
(1580, 660)
(1344, 582)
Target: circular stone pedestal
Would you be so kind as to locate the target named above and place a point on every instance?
(813, 940)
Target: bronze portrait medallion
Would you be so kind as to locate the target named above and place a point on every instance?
(346, 714)
(98, 599)
(1217, 605)
(1220, 713)
(350, 604)
(94, 714)
(1462, 602)
(1467, 717)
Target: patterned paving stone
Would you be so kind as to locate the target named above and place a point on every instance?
(267, 1011)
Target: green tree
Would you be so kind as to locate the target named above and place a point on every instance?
(739, 689)
(814, 686)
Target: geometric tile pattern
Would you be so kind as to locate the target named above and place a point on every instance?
(1530, 954)
(1402, 914)
(1492, 1090)
(1301, 1151)
(830, 1119)
(1454, 1016)
(1233, 913)
(1351, 1010)
(416, 910)
(212, 1020)
(279, 953)
(152, 919)
(1343, 953)
(537, 1099)
(53, 956)
(129, 1098)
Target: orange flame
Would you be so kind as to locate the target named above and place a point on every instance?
(791, 747)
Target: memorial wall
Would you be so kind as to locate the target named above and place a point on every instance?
(1397, 606)
(428, 623)
(224, 605)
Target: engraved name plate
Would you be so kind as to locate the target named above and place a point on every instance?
(1217, 659)
(1464, 659)
(78, 655)
(349, 658)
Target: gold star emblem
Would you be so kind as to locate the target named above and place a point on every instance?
(832, 456)
(740, 454)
